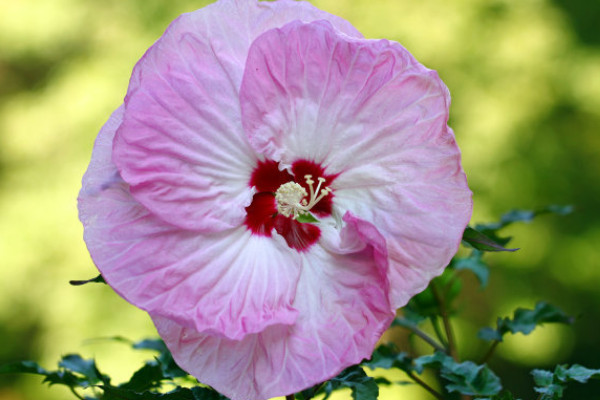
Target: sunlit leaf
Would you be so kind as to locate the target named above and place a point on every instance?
(87, 368)
(525, 321)
(466, 378)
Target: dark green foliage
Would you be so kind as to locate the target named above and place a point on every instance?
(501, 396)
(435, 306)
(466, 378)
(551, 385)
(525, 321)
(98, 279)
(363, 387)
(386, 356)
(485, 242)
(475, 264)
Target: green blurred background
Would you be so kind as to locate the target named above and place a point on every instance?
(525, 81)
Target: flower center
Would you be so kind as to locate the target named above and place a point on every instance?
(290, 197)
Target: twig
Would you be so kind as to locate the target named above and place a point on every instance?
(438, 332)
(490, 352)
(446, 321)
(425, 386)
(426, 338)
(75, 393)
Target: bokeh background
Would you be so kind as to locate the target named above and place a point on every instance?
(525, 81)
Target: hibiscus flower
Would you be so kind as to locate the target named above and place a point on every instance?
(272, 189)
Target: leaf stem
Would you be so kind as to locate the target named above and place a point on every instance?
(426, 338)
(75, 393)
(425, 386)
(490, 352)
(446, 321)
(438, 331)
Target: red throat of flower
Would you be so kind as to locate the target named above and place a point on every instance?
(282, 197)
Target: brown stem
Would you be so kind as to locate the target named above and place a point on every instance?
(289, 397)
(425, 386)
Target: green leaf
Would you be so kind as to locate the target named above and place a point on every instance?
(304, 218)
(151, 344)
(98, 279)
(421, 306)
(490, 334)
(466, 378)
(115, 393)
(386, 356)
(474, 264)
(363, 387)
(168, 365)
(22, 367)
(60, 377)
(505, 395)
(542, 377)
(205, 393)
(576, 373)
(524, 216)
(551, 385)
(525, 321)
(146, 378)
(483, 242)
(87, 368)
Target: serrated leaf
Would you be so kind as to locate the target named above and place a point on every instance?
(386, 356)
(87, 368)
(523, 216)
(501, 396)
(115, 393)
(552, 384)
(363, 387)
(306, 218)
(169, 366)
(145, 378)
(421, 306)
(480, 241)
(525, 321)
(98, 279)
(490, 334)
(150, 344)
(23, 367)
(542, 377)
(474, 264)
(204, 393)
(60, 377)
(466, 378)
(576, 373)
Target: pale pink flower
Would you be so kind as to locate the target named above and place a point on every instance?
(190, 199)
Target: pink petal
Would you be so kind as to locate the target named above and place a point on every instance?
(343, 307)
(370, 114)
(229, 284)
(181, 146)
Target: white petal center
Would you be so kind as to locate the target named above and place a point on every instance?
(291, 197)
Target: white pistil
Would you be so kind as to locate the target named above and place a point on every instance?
(291, 200)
